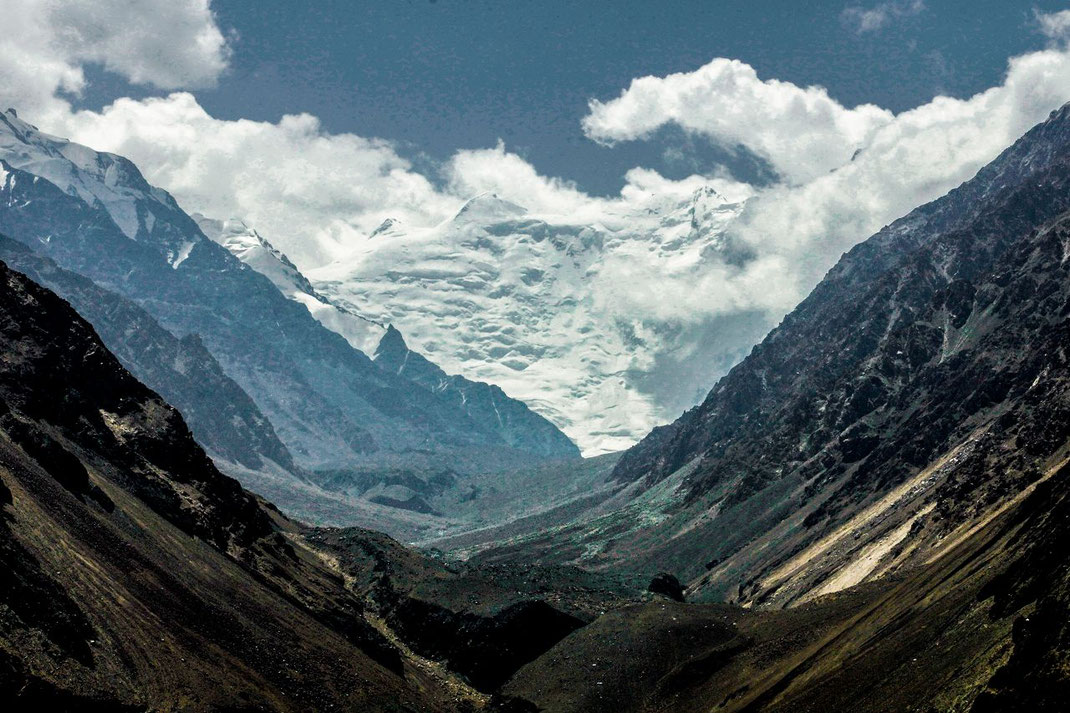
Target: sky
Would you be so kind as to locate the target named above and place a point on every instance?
(314, 122)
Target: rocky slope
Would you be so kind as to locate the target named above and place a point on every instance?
(981, 628)
(136, 575)
(919, 388)
(223, 418)
(95, 215)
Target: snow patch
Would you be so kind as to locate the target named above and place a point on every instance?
(183, 252)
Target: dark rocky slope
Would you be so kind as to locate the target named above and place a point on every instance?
(136, 576)
(982, 629)
(484, 623)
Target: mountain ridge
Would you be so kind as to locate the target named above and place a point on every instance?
(327, 401)
(874, 423)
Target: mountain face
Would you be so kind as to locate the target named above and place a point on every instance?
(488, 407)
(484, 403)
(535, 304)
(909, 398)
(136, 575)
(252, 249)
(329, 404)
(224, 420)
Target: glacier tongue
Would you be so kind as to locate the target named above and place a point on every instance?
(525, 301)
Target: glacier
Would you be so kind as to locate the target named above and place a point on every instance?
(525, 301)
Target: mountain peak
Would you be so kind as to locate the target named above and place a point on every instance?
(220, 231)
(707, 192)
(10, 123)
(488, 207)
(392, 343)
(384, 227)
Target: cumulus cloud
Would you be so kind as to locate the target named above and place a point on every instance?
(862, 19)
(794, 231)
(498, 171)
(316, 195)
(46, 44)
(801, 131)
(920, 155)
(312, 192)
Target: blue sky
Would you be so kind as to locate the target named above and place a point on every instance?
(457, 74)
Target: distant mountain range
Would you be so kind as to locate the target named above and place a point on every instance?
(239, 322)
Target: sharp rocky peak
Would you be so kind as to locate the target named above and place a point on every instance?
(385, 227)
(392, 342)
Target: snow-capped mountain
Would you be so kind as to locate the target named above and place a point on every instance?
(252, 249)
(531, 303)
(487, 405)
(104, 181)
(95, 215)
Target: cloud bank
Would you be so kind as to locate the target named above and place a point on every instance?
(46, 44)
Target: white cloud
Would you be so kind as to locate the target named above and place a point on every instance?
(45, 45)
(795, 231)
(316, 194)
(862, 19)
(1055, 26)
(310, 191)
(801, 131)
(498, 171)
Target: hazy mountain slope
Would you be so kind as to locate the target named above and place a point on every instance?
(916, 390)
(94, 214)
(138, 576)
(255, 251)
(486, 405)
(224, 420)
(536, 305)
